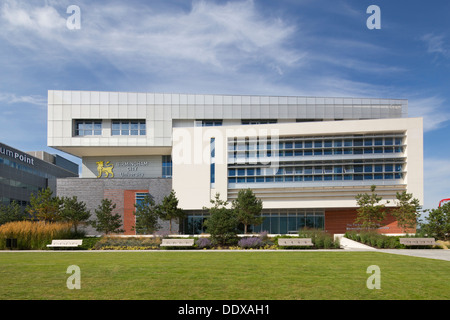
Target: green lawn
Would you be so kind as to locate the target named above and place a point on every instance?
(260, 275)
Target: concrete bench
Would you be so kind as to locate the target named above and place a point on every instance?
(298, 242)
(418, 241)
(177, 243)
(71, 243)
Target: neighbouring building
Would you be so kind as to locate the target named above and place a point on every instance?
(305, 157)
(26, 173)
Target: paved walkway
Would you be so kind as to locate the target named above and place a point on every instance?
(439, 254)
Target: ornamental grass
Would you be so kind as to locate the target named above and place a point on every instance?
(33, 235)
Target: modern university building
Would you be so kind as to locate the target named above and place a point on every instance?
(305, 157)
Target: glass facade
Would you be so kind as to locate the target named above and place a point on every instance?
(22, 174)
(324, 160)
(276, 221)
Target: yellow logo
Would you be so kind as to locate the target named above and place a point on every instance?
(107, 169)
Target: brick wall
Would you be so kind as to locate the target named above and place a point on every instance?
(121, 191)
(342, 220)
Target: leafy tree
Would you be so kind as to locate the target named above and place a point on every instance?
(407, 210)
(437, 223)
(370, 212)
(248, 208)
(168, 209)
(107, 222)
(222, 223)
(45, 206)
(74, 211)
(11, 212)
(146, 216)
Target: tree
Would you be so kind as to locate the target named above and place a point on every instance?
(168, 209)
(370, 212)
(407, 211)
(74, 211)
(437, 223)
(248, 208)
(222, 223)
(107, 222)
(11, 212)
(45, 206)
(146, 216)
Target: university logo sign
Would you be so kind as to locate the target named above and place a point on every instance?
(106, 169)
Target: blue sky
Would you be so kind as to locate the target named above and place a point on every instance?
(283, 47)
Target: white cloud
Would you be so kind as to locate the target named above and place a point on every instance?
(435, 44)
(11, 98)
(432, 109)
(222, 36)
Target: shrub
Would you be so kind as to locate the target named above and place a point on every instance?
(250, 242)
(131, 243)
(320, 238)
(203, 243)
(32, 235)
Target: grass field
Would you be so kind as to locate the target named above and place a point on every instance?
(173, 275)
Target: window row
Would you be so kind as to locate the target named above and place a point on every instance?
(315, 152)
(313, 144)
(367, 168)
(128, 128)
(118, 128)
(307, 178)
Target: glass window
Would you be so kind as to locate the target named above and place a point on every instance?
(166, 166)
(368, 142)
(338, 143)
(308, 144)
(348, 151)
(88, 127)
(378, 141)
(128, 127)
(211, 123)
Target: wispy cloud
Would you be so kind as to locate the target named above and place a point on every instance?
(222, 36)
(11, 98)
(436, 44)
(432, 109)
